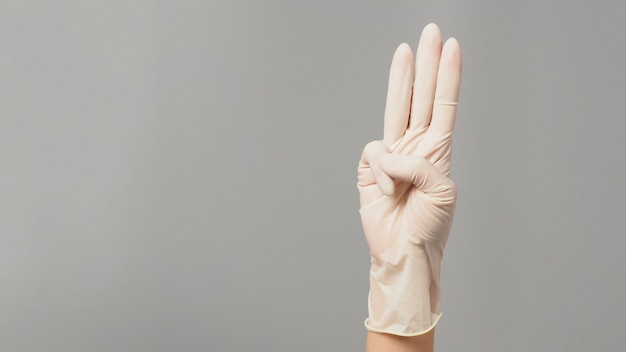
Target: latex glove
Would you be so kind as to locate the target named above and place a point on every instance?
(407, 198)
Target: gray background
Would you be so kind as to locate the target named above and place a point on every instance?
(181, 175)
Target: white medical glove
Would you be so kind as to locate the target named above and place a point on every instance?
(407, 199)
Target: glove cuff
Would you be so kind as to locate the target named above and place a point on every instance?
(401, 330)
(403, 297)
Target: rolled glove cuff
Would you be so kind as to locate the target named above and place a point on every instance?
(401, 330)
(403, 298)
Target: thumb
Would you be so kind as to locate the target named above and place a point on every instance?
(369, 159)
(420, 172)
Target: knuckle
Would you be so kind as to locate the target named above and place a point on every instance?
(445, 193)
(449, 192)
(370, 150)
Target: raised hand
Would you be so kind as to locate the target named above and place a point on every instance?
(407, 197)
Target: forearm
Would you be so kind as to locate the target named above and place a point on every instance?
(378, 342)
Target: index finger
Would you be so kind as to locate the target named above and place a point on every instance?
(398, 94)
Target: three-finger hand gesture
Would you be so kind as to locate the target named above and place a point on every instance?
(407, 198)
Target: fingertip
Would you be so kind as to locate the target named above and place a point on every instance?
(403, 46)
(383, 180)
(452, 49)
(404, 53)
(387, 187)
(431, 30)
(452, 41)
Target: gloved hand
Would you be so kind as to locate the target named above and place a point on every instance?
(407, 198)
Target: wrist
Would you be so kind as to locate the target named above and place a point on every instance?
(403, 297)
